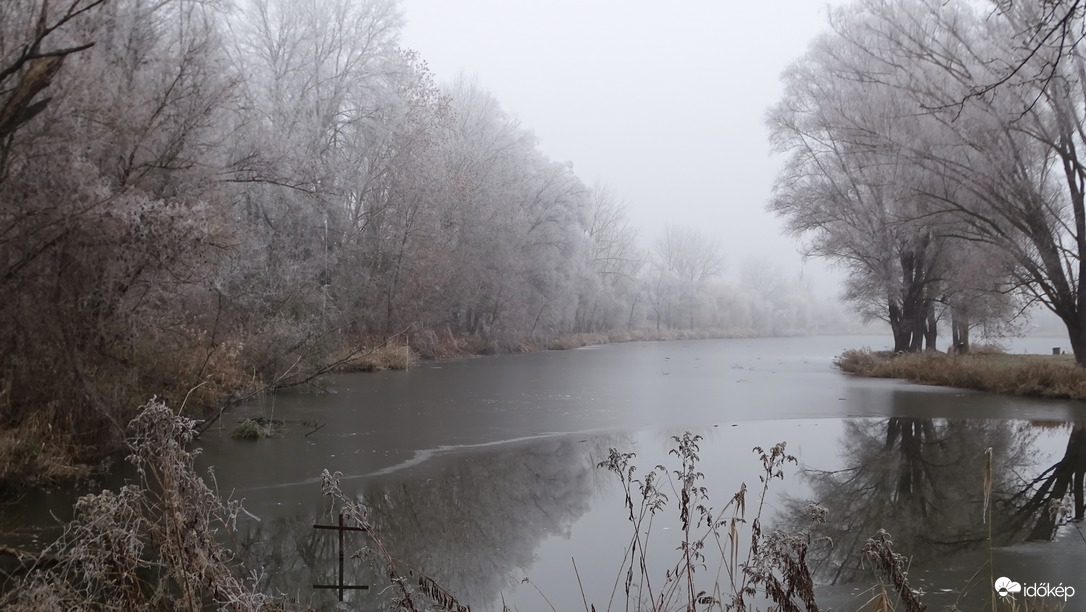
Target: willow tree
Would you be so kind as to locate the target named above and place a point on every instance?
(842, 186)
(1012, 173)
(899, 108)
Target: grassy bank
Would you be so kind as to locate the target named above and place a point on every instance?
(1049, 376)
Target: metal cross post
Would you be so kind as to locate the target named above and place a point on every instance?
(340, 586)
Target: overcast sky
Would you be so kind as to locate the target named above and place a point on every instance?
(665, 105)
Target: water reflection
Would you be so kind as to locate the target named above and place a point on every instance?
(923, 480)
(1042, 499)
(468, 522)
(920, 479)
(462, 499)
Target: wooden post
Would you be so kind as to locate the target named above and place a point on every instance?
(339, 584)
(341, 557)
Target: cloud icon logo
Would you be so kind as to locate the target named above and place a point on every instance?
(1005, 586)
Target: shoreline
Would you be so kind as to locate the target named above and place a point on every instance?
(1024, 375)
(34, 454)
(37, 456)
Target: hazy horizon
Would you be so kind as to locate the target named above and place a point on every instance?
(668, 112)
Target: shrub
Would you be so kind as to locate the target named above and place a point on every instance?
(250, 429)
(152, 545)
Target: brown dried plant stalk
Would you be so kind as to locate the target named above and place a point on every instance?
(775, 566)
(157, 545)
(891, 565)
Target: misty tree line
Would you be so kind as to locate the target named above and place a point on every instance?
(198, 196)
(935, 151)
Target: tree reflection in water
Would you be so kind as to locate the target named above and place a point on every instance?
(920, 479)
(468, 526)
(1044, 497)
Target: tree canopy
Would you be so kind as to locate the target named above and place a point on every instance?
(933, 151)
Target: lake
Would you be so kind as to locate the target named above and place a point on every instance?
(483, 472)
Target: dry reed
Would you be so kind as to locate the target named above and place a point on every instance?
(1046, 376)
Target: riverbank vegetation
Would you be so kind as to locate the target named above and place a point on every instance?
(1051, 376)
(203, 200)
(155, 545)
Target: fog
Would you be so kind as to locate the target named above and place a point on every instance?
(206, 203)
(666, 108)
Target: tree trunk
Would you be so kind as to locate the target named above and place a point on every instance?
(914, 315)
(1077, 335)
(920, 327)
(959, 330)
(931, 331)
(900, 327)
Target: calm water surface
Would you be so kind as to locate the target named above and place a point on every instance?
(482, 472)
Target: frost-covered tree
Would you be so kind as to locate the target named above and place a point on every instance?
(684, 260)
(846, 187)
(610, 292)
(1010, 160)
(110, 209)
(519, 217)
(893, 161)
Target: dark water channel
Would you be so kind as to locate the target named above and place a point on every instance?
(482, 472)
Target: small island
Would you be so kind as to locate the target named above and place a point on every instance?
(986, 368)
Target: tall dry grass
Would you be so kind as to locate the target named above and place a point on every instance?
(38, 454)
(1046, 376)
(154, 545)
(725, 560)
